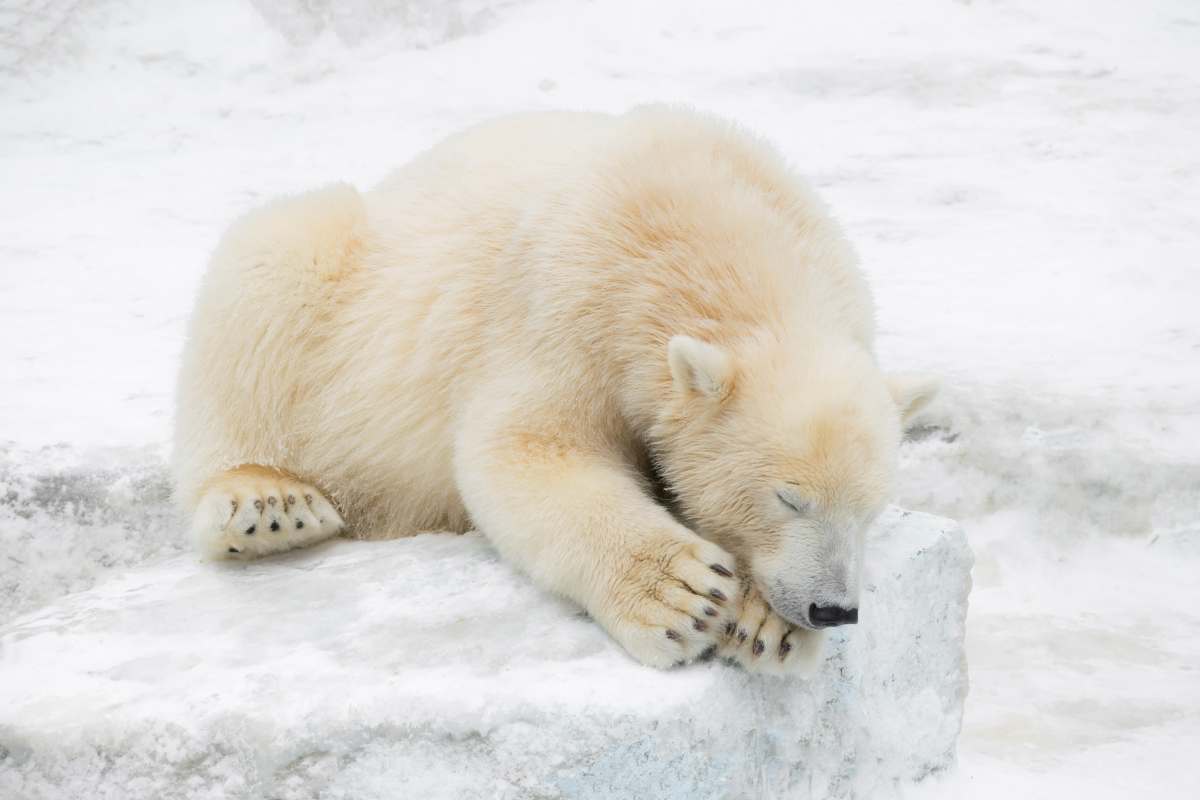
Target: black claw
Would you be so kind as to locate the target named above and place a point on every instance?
(299, 523)
(673, 635)
(250, 530)
(758, 647)
(709, 611)
(720, 570)
(274, 525)
(784, 648)
(718, 595)
(730, 627)
(699, 624)
(234, 550)
(271, 501)
(708, 653)
(742, 634)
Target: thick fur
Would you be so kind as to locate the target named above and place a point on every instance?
(613, 344)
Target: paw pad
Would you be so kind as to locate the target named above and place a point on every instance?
(250, 500)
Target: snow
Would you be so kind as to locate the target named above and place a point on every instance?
(426, 667)
(1020, 178)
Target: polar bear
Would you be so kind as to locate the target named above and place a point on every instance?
(634, 351)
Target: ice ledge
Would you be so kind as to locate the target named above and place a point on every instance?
(426, 668)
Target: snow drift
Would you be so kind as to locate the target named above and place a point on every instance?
(427, 668)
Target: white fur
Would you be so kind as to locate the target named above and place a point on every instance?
(697, 366)
(524, 327)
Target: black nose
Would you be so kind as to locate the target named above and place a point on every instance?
(828, 616)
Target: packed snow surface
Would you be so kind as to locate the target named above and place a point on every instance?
(1020, 177)
(426, 668)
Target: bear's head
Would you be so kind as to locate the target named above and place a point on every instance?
(784, 459)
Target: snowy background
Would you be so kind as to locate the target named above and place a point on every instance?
(1021, 178)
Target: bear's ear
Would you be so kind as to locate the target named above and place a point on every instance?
(699, 367)
(911, 392)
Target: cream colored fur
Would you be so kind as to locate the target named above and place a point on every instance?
(619, 346)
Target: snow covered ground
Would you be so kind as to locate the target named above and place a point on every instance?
(1021, 178)
(427, 668)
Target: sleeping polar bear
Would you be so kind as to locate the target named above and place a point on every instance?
(634, 351)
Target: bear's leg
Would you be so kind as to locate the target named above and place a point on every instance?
(252, 511)
(579, 522)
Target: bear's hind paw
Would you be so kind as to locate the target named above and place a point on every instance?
(253, 511)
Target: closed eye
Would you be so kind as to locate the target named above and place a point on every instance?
(793, 502)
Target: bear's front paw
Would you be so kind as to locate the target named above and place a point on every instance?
(673, 602)
(762, 641)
